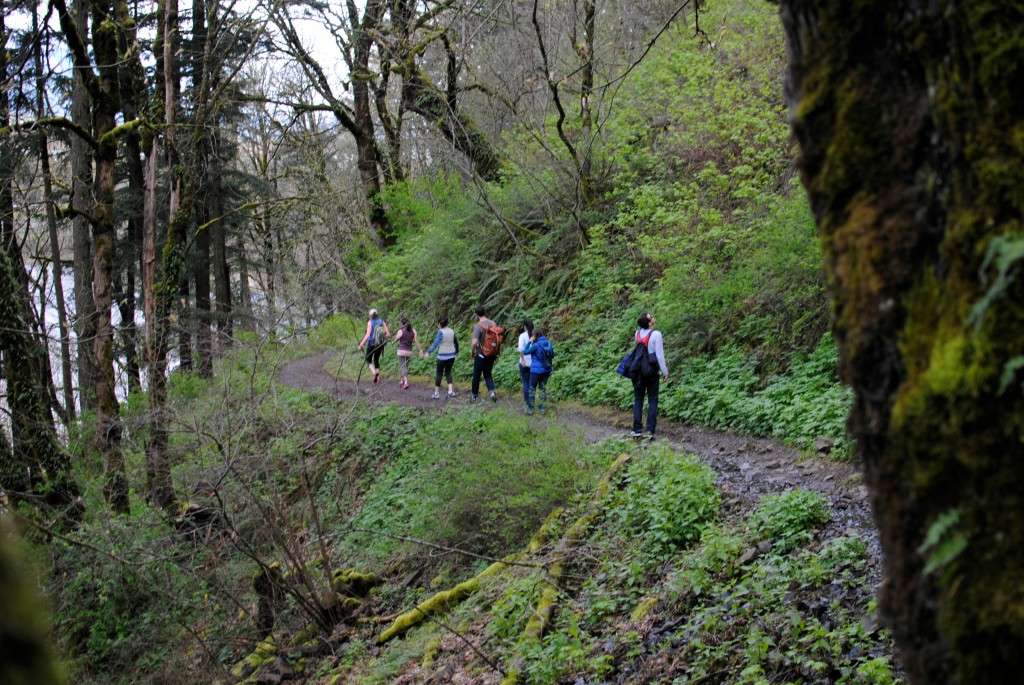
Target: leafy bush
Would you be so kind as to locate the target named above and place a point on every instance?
(666, 498)
(786, 518)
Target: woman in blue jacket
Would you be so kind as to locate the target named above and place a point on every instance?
(541, 353)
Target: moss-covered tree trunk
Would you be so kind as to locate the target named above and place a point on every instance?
(910, 116)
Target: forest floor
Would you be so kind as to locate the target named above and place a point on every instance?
(747, 467)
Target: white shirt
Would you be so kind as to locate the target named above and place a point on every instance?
(524, 340)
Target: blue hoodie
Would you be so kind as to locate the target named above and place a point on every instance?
(536, 350)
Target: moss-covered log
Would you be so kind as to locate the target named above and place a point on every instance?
(445, 601)
(910, 115)
(560, 556)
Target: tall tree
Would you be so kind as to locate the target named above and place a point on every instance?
(909, 114)
(101, 83)
(60, 303)
(35, 459)
(81, 199)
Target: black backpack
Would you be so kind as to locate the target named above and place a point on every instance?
(638, 363)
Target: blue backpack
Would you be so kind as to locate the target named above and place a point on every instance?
(544, 356)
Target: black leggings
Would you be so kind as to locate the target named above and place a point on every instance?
(373, 355)
(444, 366)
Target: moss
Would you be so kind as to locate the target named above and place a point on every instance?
(543, 535)
(643, 609)
(430, 654)
(434, 605)
(264, 654)
(353, 583)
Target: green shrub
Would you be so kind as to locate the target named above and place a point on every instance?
(666, 498)
(787, 517)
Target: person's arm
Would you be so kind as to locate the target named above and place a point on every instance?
(455, 339)
(435, 344)
(659, 351)
(369, 327)
(387, 333)
(530, 347)
(478, 332)
(416, 339)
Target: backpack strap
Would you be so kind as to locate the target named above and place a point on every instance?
(644, 340)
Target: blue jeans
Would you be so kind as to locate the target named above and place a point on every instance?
(648, 385)
(538, 381)
(524, 376)
(482, 367)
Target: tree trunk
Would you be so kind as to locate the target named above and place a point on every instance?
(909, 116)
(201, 80)
(133, 99)
(161, 293)
(221, 269)
(105, 108)
(81, 201)
(51, 225)
(36, 460)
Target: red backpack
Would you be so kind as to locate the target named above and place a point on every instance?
(494, 335)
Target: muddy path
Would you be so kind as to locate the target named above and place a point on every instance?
(747, 467)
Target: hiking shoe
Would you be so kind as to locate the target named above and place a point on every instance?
(474, 398)
(376, 378)
(405, 384)
(636, 434)
(435, 396)
(494, 398)
(452, 394)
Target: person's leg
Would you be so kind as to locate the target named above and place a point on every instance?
(403, 370)
(542, 386)
(653, 385)
(437, 376)
(534, 382)
(448, 365)
(488, 364)
(524, 377)
(369, 361)
(376, 361)
(474, 387)
(638, 404)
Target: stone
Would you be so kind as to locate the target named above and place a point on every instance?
(823, 445)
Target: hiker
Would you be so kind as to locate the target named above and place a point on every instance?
(648, 384)
(447, 345)
(485, 348)
(376, 338)
(524, 359)
(405, 339)
(541, 353)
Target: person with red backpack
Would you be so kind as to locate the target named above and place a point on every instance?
(486, 345)
(648, 383)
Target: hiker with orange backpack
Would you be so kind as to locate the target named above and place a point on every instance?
(486, 345)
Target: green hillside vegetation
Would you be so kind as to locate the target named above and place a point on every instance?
(312, 525)
(701, 220)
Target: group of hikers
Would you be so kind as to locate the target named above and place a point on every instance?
(645, 365)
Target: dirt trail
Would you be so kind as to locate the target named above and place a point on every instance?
(747, 467)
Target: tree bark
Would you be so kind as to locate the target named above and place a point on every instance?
(162, 291)
(51, 225)
(35, 459)
(909, 116)
(81, 201)
(104, 112)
